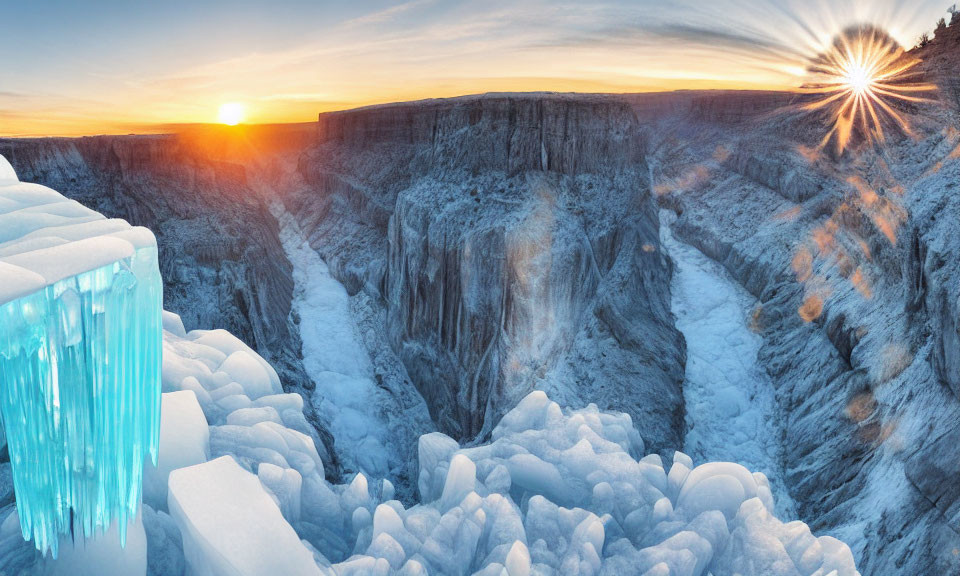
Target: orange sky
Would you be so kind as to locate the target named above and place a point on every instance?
(116, 69)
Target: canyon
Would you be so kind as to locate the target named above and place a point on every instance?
(487, 246)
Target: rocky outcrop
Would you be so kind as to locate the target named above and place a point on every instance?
(511, 133)
(514, 244)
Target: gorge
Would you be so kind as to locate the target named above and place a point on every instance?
(480, 248)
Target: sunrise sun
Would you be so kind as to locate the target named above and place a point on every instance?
(231, 113)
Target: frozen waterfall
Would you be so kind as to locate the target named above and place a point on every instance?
(80, 341)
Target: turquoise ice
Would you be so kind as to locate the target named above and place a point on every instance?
(80, 359)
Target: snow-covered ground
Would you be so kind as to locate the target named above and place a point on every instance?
(731, 406)
(346, 396)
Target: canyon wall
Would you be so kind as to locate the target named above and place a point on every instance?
(514, 243)
(510, 242)
(849, 256)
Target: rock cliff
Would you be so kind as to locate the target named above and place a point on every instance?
(849, 258)
(514, 243)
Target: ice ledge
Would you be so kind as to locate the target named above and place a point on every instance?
(80, 360)
(46, 238)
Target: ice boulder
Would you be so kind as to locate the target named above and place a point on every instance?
(592, 504)
(184, 441)
(230, 524)
(245, 369)
(461, 480)
(80, 311)
(173, 324)
(435, 450)
(285, 485)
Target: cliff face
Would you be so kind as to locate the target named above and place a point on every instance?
(566, 134)
(849, 258)
(515, 245)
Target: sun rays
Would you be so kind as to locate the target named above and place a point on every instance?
(859, 80)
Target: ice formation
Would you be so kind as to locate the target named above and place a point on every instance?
(554, 492)
(374, 421)
(336, 360)
(80, 343)
(204, 498)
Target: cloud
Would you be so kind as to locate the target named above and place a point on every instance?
(298, 97)
(680, 35)
(387, 14)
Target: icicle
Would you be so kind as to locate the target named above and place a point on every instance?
(80, 346)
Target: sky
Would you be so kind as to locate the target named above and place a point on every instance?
(120, 66)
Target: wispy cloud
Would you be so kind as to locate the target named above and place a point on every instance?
(298, 97)
(388, 13)
(422, 48)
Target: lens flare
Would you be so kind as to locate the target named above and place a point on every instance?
(859, 81)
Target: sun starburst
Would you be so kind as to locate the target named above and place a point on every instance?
(859, 81)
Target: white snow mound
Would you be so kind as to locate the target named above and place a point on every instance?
(45, 237)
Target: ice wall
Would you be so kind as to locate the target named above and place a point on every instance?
(80, 346)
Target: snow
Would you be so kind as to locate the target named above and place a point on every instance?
(607, 512)
(231, 526)
(554, 491)
(45, 238)
(346, 396)
(7, 174)
(731, 404)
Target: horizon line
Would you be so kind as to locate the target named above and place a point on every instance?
(175, 128)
